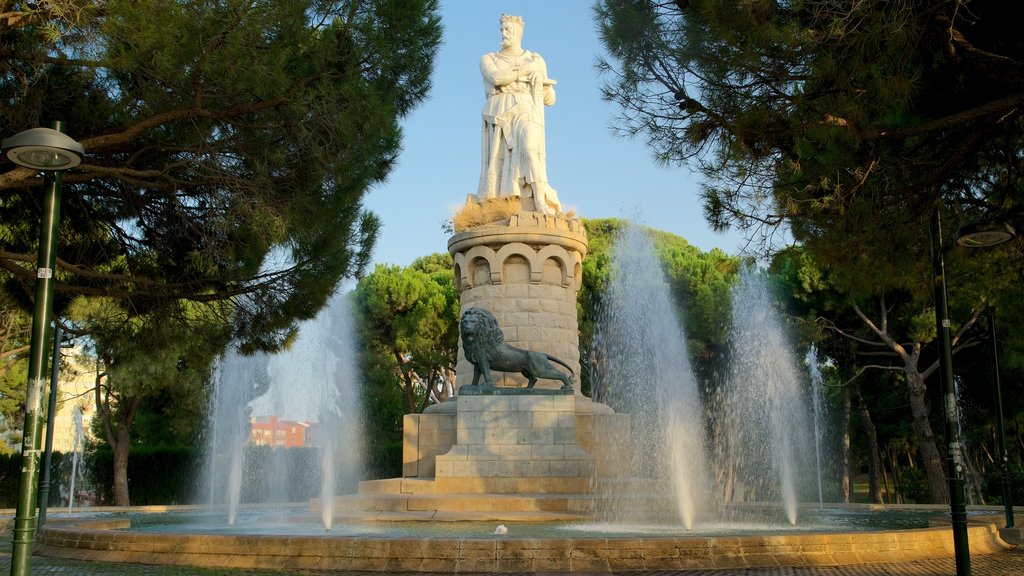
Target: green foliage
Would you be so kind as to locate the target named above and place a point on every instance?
(409, 319)
(993, 484)
(15, 325)
(155, 363)
(229, 145)
(148, 355)
(846, 122)
(699, 281)
(161, 475)
(171, 417)
(12, 406)
(913, 485)
(10, 477)
(884, 371)
(383, 410)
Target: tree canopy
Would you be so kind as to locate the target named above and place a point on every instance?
(884, 342)
(847, 122)
(409, 319)
(228, 145)
(145, 358)
(699, 282)
(857, 127)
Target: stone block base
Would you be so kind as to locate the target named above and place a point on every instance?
(606, 437)
(425, 436)
(512, 441)
(600, 433)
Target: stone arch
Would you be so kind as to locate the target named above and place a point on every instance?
(458, 273)
(562, 257)
(523, 250)
(471, 258)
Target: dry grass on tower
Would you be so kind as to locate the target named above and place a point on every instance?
(476, 214)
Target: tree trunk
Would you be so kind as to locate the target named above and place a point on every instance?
(407, 396)
(885, 482)
(117, 415)
(874, 462)
(897, 480)
(407, 383)
(847, 465)
(930, 455)
(121, 448)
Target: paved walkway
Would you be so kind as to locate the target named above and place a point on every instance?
(1010, 563)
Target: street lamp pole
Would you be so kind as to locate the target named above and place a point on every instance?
(954, 456)
(25, 515)
(1004, 470)
(44, 483)
(984, 234)
(52, 152)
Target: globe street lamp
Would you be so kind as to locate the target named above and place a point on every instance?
(997, 392)
(978, 235)
(983, 235)
(49, 151)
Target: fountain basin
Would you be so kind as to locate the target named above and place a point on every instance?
(110, 540)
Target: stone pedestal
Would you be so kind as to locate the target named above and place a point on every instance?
(424, 437)
(513, 442)
(600, 433)
(526, 273)
(508, 448)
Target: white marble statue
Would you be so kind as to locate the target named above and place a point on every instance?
(517, 88)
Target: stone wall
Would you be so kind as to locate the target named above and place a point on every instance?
(515, 443)
(603, 435)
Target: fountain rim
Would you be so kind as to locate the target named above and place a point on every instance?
(105, 539)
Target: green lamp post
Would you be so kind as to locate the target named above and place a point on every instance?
(954, 455)
(980, 235)
(51, 152)
(984, 235)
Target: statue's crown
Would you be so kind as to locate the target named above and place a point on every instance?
(511, 18)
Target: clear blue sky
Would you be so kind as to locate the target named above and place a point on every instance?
(596, 173)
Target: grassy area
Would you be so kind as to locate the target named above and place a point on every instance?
(860, 490)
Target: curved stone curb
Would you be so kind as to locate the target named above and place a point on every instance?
(101, 540)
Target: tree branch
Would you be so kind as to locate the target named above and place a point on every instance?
(867, 367)
(829, 325)
(884, 336)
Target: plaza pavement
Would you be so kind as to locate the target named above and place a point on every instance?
(1009, 563)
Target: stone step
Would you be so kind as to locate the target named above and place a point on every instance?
(418, 486)
(571, 504)
(397, 486)
(442, 516)
(383, 486)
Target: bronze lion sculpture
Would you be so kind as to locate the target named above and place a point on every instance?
(485, 347)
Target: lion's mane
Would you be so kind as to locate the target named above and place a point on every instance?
(483, 326)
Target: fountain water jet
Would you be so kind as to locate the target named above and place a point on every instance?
(237, 380)
(77, 455)
(766, 409)
(819, 407)
(313, 380)
(642, 369)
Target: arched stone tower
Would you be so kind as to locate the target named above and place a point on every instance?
(527, 274)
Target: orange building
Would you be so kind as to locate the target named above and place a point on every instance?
(272, 431)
